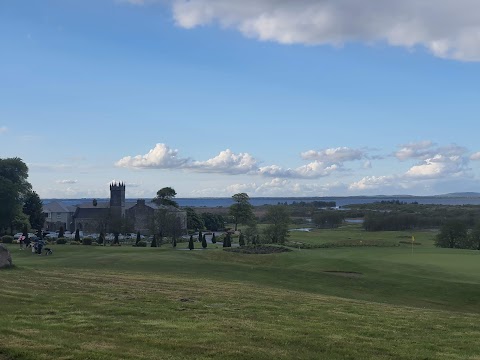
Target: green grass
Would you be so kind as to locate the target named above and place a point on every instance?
(88, 302)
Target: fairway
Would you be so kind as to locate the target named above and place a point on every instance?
(88, 302)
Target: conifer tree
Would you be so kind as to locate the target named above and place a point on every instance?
(154, 241)
(174, 242)
(214, 241)
(101, 238)
(138, 238)
(204, 242)
(241, 240)
(77, 235)
(190, 243)
(200, 236)
(61, 232)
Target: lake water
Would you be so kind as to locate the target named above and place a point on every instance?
(340, 201)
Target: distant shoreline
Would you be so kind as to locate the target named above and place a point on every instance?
(209, 202)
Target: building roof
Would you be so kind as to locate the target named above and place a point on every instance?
(58, 207)
(91, 213)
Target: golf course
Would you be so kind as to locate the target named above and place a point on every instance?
(375, 296)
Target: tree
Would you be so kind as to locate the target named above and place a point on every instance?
(61, 232)
(33, 208)
(241, 240)
(251, 232)
(227, 242)
(328, 219)
(138, 238)
(214, 240)
(77, 235)
(241, 210)
(452, 234)
(174, 242)
(475, 237)
(14, 188)
(190, 243)
(204, 242)
(95, 202)
(154, 241)
(278, 218)
(200, 235)
(213, 222)
(194, 222)
(101, 238)
(165, 197)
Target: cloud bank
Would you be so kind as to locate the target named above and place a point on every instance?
(325, 163)
(446, 28)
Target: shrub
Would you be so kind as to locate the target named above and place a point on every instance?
(141, 243)
(75, 243)
(7, 239)
(61, 241)
(87, 241)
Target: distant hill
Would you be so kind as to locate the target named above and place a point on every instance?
(461, 195)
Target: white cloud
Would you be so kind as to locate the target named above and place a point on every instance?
(475, 156)
(3, 130)
(66, 182)
(438, 167)
(447, 28)
(334, 155)
(367, 164)
(313, 170)
(414, 150)
(227, 162)
(160, 157)
(372, 183)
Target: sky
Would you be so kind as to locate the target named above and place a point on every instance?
(267, 97)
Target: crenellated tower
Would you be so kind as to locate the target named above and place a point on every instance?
(117, 199)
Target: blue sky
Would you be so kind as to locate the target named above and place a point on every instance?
(268, 97)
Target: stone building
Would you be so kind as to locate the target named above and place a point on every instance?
(117, 212)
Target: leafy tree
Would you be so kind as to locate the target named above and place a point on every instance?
(213, 222)
(328, 219)
(14, 188)
(77, 235)
(452, 234)
(33, 208)
(194, 221)
(61, 232)
(138, 238)
(278, 218)
(241, 240)
(204, 242)
(214, 240)
(154, 241)
(251, 232)
(475, 237)
(241, 210)
(165, 197)
(190, 243)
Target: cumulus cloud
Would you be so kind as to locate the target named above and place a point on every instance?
(69, 182)
(3, 130)
(227, 162)
(475, 156)
(446, 28)
(372, 182)
(414, 150)
(438, 167)
(160, 157)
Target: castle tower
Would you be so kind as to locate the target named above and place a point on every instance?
(117, 200)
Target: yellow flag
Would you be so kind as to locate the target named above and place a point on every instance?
(413, 238)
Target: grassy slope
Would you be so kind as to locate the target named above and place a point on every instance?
(128, 303)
